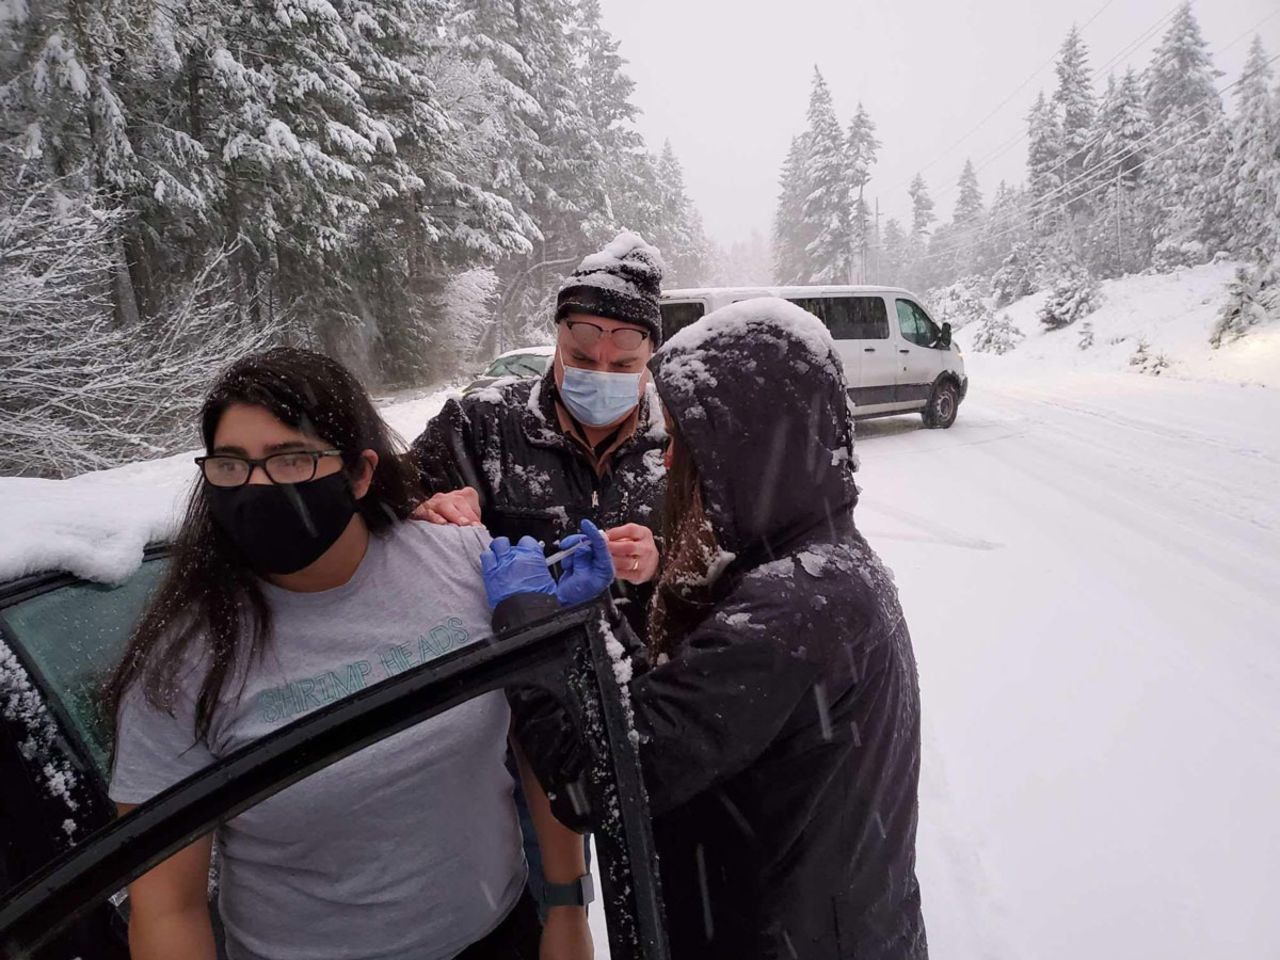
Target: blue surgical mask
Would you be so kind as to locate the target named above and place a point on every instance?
(596, 398)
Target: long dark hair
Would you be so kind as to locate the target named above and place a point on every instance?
(210, 601)
(684, 595)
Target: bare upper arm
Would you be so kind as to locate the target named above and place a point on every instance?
(174, 885)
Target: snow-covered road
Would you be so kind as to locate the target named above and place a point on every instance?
(1090, 565)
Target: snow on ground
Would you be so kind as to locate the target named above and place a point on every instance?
(1088, 564)
(96, 525)
(1174, 313)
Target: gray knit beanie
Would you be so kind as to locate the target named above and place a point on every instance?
(621, 282)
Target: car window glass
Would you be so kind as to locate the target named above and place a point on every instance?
(849, 318)
(676, 316)
(929, 330)
(521, 365)
(73, 636)
(913, 324)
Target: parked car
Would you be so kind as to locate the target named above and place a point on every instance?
(65, 858)
(896, 359)
(527, 363)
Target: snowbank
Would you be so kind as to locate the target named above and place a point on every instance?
(97, 525)
(1172, 313)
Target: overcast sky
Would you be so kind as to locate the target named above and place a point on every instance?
(727, 81)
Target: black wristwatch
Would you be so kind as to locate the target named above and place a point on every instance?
(577, 894)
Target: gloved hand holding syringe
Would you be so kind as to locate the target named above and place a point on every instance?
(561, 554)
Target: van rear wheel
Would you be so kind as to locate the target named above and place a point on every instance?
(944, 404)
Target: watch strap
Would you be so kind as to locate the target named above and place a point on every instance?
(576, 894)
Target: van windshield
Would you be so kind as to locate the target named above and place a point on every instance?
(677, 316)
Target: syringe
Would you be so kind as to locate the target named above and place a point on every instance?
(561, 554)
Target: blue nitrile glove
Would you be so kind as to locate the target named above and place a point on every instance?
(509, 570)
(587, 573)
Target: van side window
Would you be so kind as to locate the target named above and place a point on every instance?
(678, 315)
(849, 318)
(916, 325)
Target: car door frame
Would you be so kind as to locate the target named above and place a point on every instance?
(919, 365)
(567, 649)
(877, 362)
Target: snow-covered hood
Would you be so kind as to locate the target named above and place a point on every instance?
(758, 391)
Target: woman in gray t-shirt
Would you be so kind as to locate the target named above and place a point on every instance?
(296, 580)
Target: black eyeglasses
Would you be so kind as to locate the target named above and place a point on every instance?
(587, 334)
(296, 466)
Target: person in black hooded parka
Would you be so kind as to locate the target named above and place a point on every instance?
(778, 704)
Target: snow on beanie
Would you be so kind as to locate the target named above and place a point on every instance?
(621, 282)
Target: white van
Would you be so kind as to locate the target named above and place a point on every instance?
(896, 359)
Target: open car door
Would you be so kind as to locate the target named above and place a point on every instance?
(566, 649)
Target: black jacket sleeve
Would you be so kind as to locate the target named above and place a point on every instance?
(703, 716)
(445, 453)
(714, 707)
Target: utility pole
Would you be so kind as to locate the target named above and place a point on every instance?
(1119, 233)
(877, 274)
(862, 221)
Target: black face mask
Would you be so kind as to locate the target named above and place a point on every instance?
(283, 527)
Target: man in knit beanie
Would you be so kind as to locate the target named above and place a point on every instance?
(583, 442)
(536, 457)
(622, 282)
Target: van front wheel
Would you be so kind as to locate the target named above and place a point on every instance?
(943, 406)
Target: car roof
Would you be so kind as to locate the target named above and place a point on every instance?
(97, 526)
(785, 292)
(542, 351)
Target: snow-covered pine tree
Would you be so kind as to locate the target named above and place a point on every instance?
(967, 224)
(633, 182)
(485, 34)
(1075, 105)
(996, 334)
(1021, 274)
(1214, 192)
(863, 147)
(680, 236)
(1271, 238)
(297, 144)
(962, 303)
(825, 209)
(918, 267)
(1253, 155)
(1073, 297)
(968, 210)
(419, 230)
(61, 86)
(790, 232)
(1253, 299)
(569, 200)
(1118, 240)
(1185, 111)
(629, 170)
(1044, 166)
(894, 253)
(645, 193)
(1007, 227)
(1181, 75)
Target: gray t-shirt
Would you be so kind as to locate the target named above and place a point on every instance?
(408, 850)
